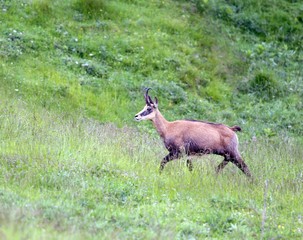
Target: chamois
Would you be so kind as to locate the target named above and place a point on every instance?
(193, 137)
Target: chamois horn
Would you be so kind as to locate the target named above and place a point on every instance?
(147, 98)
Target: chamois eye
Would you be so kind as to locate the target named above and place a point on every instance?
(147, 111)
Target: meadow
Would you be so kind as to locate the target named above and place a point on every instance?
(66, 177)
(75, 165)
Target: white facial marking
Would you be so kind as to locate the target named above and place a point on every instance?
(146, 113)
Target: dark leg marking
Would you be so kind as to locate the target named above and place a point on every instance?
(235, 159)
(167, 158)
(238, 161)
(189, 164)
(222, 165)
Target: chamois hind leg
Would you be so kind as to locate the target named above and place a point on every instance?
(167, 158)
(238, 161)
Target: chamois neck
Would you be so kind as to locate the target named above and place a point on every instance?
(160, 124)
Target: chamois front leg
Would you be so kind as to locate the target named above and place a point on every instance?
(189, 164)
(222, 165)
(171, 156)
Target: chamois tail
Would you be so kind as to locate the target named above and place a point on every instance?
(236, 128)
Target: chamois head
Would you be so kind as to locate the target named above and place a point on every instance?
(150, 109)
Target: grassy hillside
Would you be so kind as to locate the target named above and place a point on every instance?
(74, 164)
(230, 61)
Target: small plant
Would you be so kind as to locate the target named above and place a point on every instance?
(13, 45)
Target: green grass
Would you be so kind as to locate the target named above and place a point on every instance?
(74, 164)
(74, 178)
(87, 55)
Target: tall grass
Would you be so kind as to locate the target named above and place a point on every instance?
(77, 178)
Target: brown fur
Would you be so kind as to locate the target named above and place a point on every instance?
(194, 137)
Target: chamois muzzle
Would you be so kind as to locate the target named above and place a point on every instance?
(137, 118)
(143, 115)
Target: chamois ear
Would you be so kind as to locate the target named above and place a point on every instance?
(156, 102)
(150, 100)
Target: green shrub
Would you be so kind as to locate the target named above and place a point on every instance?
(218, 91)
(39, 12)
(276, 20)
(42, 6)
(168, 90)
(90, 8)
(265, 85)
